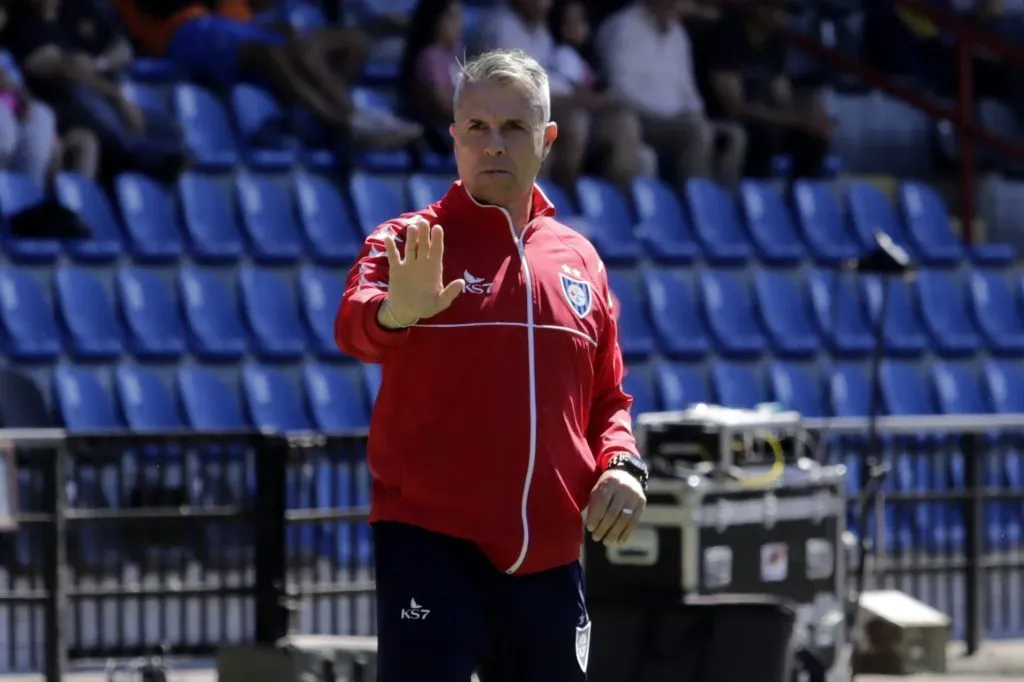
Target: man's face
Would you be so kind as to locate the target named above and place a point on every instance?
(500, 140)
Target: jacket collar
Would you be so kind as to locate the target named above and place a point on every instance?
(459, 201)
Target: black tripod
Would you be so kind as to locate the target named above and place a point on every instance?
(887, 261)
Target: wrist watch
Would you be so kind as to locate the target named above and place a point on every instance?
(632, 465)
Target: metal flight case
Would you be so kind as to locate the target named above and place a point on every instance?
(733, 508)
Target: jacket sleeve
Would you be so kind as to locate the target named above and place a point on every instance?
(610, 429)
(356, 330)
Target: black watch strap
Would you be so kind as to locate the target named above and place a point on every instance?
(633, 465)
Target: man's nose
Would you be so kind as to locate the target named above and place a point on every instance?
(495, 144)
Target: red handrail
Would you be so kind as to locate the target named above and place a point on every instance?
(967, 37)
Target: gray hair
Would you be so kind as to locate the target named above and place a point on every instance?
(507, 66)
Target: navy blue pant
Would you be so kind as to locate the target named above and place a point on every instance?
(444, 611)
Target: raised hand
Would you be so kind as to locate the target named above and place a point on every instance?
(415, 287)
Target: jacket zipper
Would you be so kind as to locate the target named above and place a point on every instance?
(532, 362)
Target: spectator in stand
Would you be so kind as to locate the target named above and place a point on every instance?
(28, 131)
(749, 84)
(81, 87)
(429, 68)
(221, 50)
(523, 25)
(648, 60)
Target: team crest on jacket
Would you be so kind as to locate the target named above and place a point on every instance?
(577, 293)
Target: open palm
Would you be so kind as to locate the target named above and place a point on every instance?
(415, 284)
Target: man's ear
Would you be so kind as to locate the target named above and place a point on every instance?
(550, 135)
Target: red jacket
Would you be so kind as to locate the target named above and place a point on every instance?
(495, 417)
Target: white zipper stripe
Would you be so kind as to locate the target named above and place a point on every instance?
(550, 327)
(532, 363)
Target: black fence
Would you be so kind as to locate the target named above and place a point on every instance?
(125, 543)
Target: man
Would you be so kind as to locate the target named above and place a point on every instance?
(76, 76)
(748, 79)
(501, 414)
(647, 57)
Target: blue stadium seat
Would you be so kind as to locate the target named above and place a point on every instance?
(305, 16)
(17, 193)
(737, 384)
(635, 337)
(206, 129)
(823, 224)
(85, 198)
(262, 128)
(376, 199)
(336, 396)
(770, 224)
(681, 384)
(272, 314)
(730, 314)
(154, 70)
(320, 150)
(146, 402)
(83, 402)
(384, 160)
(87, 312)
(664, 229)
(425, 189)
(610, 220)
(675, 314)
(326, 219)
(320, 291)
(958, 389)
(871, 212)
(717, 222)
(798, 387)
(146, 96)
(785, 314)
(215, 326)
(207, 402)
(1003, 379)
(559, 198)
(210, 219)
(151, 315)
(904, 330)
(927, 220)
(904, 390)
(945, 313)
(272, 401)
(639, 383)
(1000, 316)
(850, 390)
(150, 218)
(29, 329)
(840, 312)
(371, 380)
(268, 216)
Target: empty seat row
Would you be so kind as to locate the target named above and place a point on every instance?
(215, 316)
(687, 314)
(332, 398)
(217, 220)
(841, 389)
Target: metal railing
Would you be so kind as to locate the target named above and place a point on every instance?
(197, 541)
(129, 542)
(946, 526)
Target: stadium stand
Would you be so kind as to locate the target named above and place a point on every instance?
(208, 303)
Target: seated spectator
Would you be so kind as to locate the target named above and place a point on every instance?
(28, 131)
(647, 57)
(221, 50)
(77, 79)
(523, 25)
(749, 84)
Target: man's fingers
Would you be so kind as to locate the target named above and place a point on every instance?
(412, 242)
(451, 292)
(394, 258)
(610, 516)
(436, 249)
(634, 521)
(626, 522)
(597, 507)
(423, 235)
